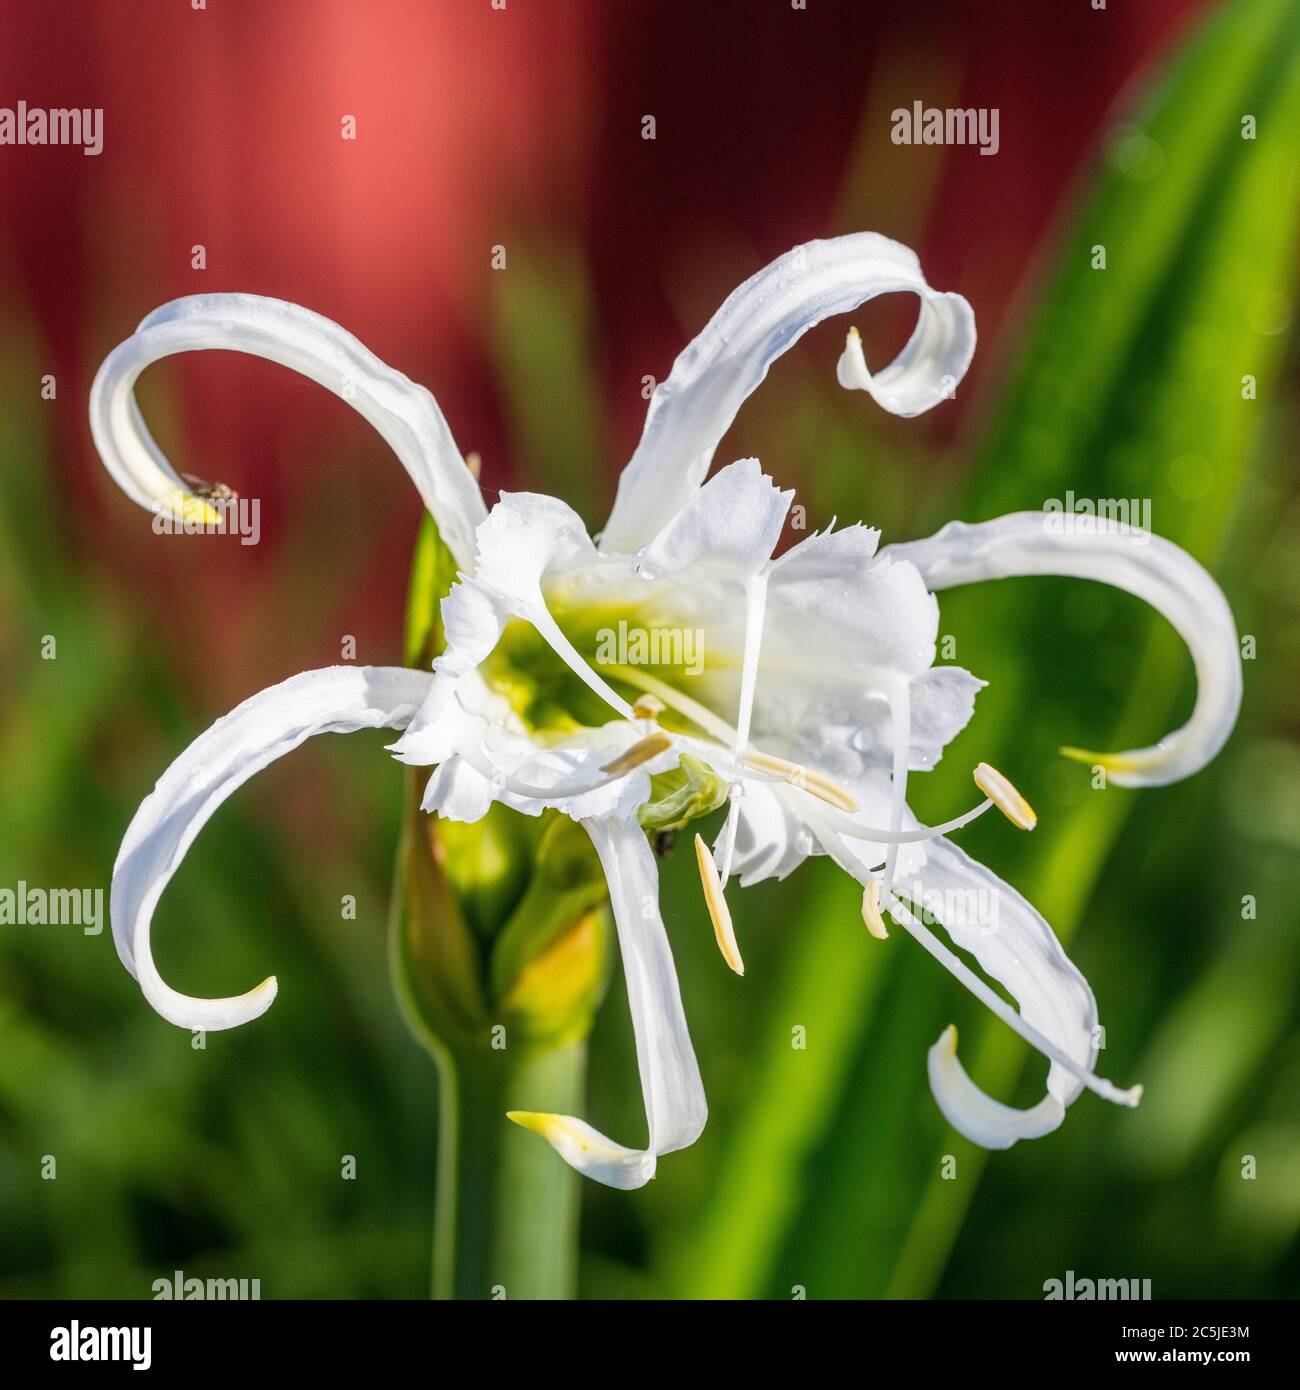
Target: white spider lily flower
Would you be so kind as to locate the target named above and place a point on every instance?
(817, 694)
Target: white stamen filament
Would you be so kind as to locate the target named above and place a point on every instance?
(900, 708)
(755, 612)
(854, 831)
(776, 769)
(540, 617)
(674, 699)
(729, 837)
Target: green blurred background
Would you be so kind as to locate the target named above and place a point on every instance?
(820, 1167)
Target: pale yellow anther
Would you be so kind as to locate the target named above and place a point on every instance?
(1005, 797)
(767, 762)
(648, 707)
(649, 747)
(808, 779)
(871, 913)
(719, 912)
(474, 463)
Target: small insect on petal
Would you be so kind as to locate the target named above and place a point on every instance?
(871, 913)
(642, 752)
(215, 492)
(1005, 797)
(719, 912)
(474, 462)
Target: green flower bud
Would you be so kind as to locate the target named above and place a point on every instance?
(683, 794)
(500, 935)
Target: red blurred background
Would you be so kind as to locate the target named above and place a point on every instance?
(478, 126)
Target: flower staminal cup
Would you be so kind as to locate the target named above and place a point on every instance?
(814, 697)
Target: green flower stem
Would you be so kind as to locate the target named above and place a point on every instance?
(506, 1218)
(498, 934)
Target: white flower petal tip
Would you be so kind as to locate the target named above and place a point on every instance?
(405, 414)
(948, 343)
(977, 1116)
(190, 508)
(586, 1149)
(851, 370)
(1128, 558)
(1124, 769)
(988, 1122)
(206, 1015)
(1005, 797)
(1056, 1012)
(719, 913)
(649, 747)
(871, 913)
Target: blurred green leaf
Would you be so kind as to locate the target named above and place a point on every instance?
(541, 331)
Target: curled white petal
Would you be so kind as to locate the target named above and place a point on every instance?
(691, 411)
(405, 414)
(975, 1113)
(1015, 946)
(338, 699)
(1128, 558)
(670, 1077)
